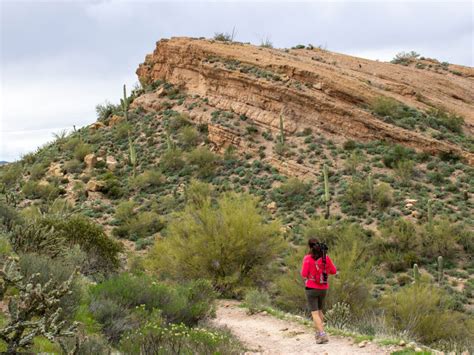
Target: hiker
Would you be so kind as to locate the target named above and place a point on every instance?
(315, 270)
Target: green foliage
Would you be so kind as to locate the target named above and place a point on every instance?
(224, 37)
(243, 245)
(155, 338)
(256, 300)
(123, 302)
(440, 238)
(198, 193)
(73, 166)
(422, 310)
(101, 250)
(37, 171)
(10, 174)
(42, 190)
(204, 160)
(383, 195)
(188, 137)
(356, 195)
(140, 225)
(291, 193)
(172, 160)
(81, 150)
(404, 171)
(438, 118)
(396, 153)
(105, 110)
(353, 161)
(386, 106)
(113, 188)
(405, 58)
(149, 178)
(339, 316)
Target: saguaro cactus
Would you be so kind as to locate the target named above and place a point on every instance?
(282, 131)
(440, 270)
(416, 273)
(370, 183)
(327, 196)
(430, 212)
(133, 154)
(125, 103)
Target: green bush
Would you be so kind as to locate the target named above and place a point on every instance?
(441, 238)
(396, 153)
(10, 174)
(42, 190)
(149, 178)
(188, 137)
(404, 170)
(383, 195)
(356, 195)
(81, 150)
(73, 166)
(422, 311)
(256, 300)
(291, 193)
(153, 338)
(141, 225)
(172, 160)
(124, 302)
(386, 106)
(101, 250)
(105, 110)
(37, 171)
(204, 160)
(243, 245)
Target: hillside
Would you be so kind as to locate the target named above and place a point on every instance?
(225, 159)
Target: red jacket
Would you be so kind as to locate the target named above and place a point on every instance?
(310, 273)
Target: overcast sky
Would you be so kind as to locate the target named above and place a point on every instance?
(61, 58)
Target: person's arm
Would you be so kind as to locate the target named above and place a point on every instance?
(330, 267)
(305, 269)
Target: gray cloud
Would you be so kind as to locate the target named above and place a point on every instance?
(59, 59)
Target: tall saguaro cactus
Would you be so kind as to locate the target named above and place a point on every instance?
(125, 102)
(416, 273)
(327, 196)
(133, 154)
(282, 130)
(440, 270)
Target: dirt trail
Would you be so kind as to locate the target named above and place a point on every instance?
(265, 334)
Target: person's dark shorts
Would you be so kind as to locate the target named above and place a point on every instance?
(315, 298)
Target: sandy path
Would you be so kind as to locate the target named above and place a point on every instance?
(265, 334)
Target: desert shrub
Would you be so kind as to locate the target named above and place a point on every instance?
(105, 110)
(355, 264)
(281, 149)
(42, 190)
(356, 195)
(244, 246)
(204, 160)
(289, 288)
(121, 131)
(140, 225)
(396, 153)
(178, 122)
(256, 300)
(113, 188)
(101, 250)
(404, 171)
(438, 118)
(172, 160)
(9, 216)
(124, 210)
(383, 195)
(93, 344)
(73, 166)
(225, 37)
(198, 193)
(10, 174)
(405, 58)
(81, 150)
(124, 302)
(353, 161)
(386, 106)
(422, 310)
(55, 271)
(188, 137)
(149, 178)
(156, 338)
(339, 316)
(291, 193)
(440, 238)
(37, 171)
(402, 235)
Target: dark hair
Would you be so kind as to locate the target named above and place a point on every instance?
(315, 249)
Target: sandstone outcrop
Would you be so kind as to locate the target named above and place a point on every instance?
(310, 88)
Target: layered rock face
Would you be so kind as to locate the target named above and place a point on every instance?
(311, 88)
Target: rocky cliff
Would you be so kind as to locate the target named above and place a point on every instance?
(313, 88)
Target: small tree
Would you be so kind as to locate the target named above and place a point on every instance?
(34, 311)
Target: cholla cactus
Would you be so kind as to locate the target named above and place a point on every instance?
(339, 316)
(416, 273)
(327, 196)
(440, 270)
(34, 311)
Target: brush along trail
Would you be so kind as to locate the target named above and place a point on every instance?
(265, 334)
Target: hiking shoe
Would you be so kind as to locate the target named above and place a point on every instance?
(319, 338)
(324, 339)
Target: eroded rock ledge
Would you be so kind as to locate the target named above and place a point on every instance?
(311, 88)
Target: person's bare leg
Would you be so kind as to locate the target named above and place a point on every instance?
(321, 316)
(317, 320)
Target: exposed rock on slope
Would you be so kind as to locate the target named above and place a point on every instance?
(311, 88)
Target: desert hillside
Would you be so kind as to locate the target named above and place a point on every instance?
(205, 183)
(315, 88)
